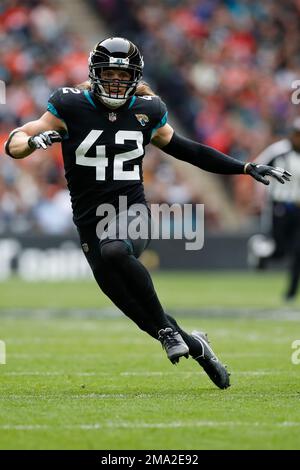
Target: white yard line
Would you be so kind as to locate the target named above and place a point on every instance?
(195, 373)
(42, 355)
(56, 340)
(55, 374)
(145, 425)
(83, 356)
(107, 313)
(249, 373)
(83, 396)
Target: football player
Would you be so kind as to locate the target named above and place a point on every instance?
(104, 128)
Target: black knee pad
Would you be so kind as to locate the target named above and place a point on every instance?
(114, 250)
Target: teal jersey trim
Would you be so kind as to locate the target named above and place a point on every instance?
(132, 102)
(161, 123)
(89, 98)
(53, 111)
(51, 108)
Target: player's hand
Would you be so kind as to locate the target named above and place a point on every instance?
(259, 172)
(44, 140)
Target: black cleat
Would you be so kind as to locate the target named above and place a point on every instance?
(173, 344)
(215, 370)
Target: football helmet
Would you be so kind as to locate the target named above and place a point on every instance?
(115, 53)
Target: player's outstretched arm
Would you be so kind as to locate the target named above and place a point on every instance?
(41, 133)
(210, 159)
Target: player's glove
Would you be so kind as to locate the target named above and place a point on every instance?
(44, 140)
(258, 172)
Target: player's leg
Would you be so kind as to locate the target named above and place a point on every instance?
(133, 310)
(294, 276)
(198, 345)
(112, 283)
(107, 281)
(294, 271)
(280, 230)
(120, 262)
(121, 297)
(139, 283)
(121, 259)
(124, 301)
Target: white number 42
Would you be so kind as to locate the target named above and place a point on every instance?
(101, 161)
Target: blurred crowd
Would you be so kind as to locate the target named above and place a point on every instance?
(37, 55)
(224, 67)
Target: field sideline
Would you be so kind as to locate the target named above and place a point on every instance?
(176, 290)
(93, 381)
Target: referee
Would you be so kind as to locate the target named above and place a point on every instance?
(281, 215)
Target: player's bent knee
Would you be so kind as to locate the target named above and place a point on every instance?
(113, 251)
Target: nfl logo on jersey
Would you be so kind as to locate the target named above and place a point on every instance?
(112, 117)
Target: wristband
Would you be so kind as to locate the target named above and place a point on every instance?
(245, 168)
(6, 146)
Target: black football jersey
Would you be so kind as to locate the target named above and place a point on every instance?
(104, 148)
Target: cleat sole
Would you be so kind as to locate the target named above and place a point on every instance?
(175, 360)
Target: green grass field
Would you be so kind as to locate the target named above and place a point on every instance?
(78, 377)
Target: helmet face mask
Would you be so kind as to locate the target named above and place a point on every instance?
(115, 54)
